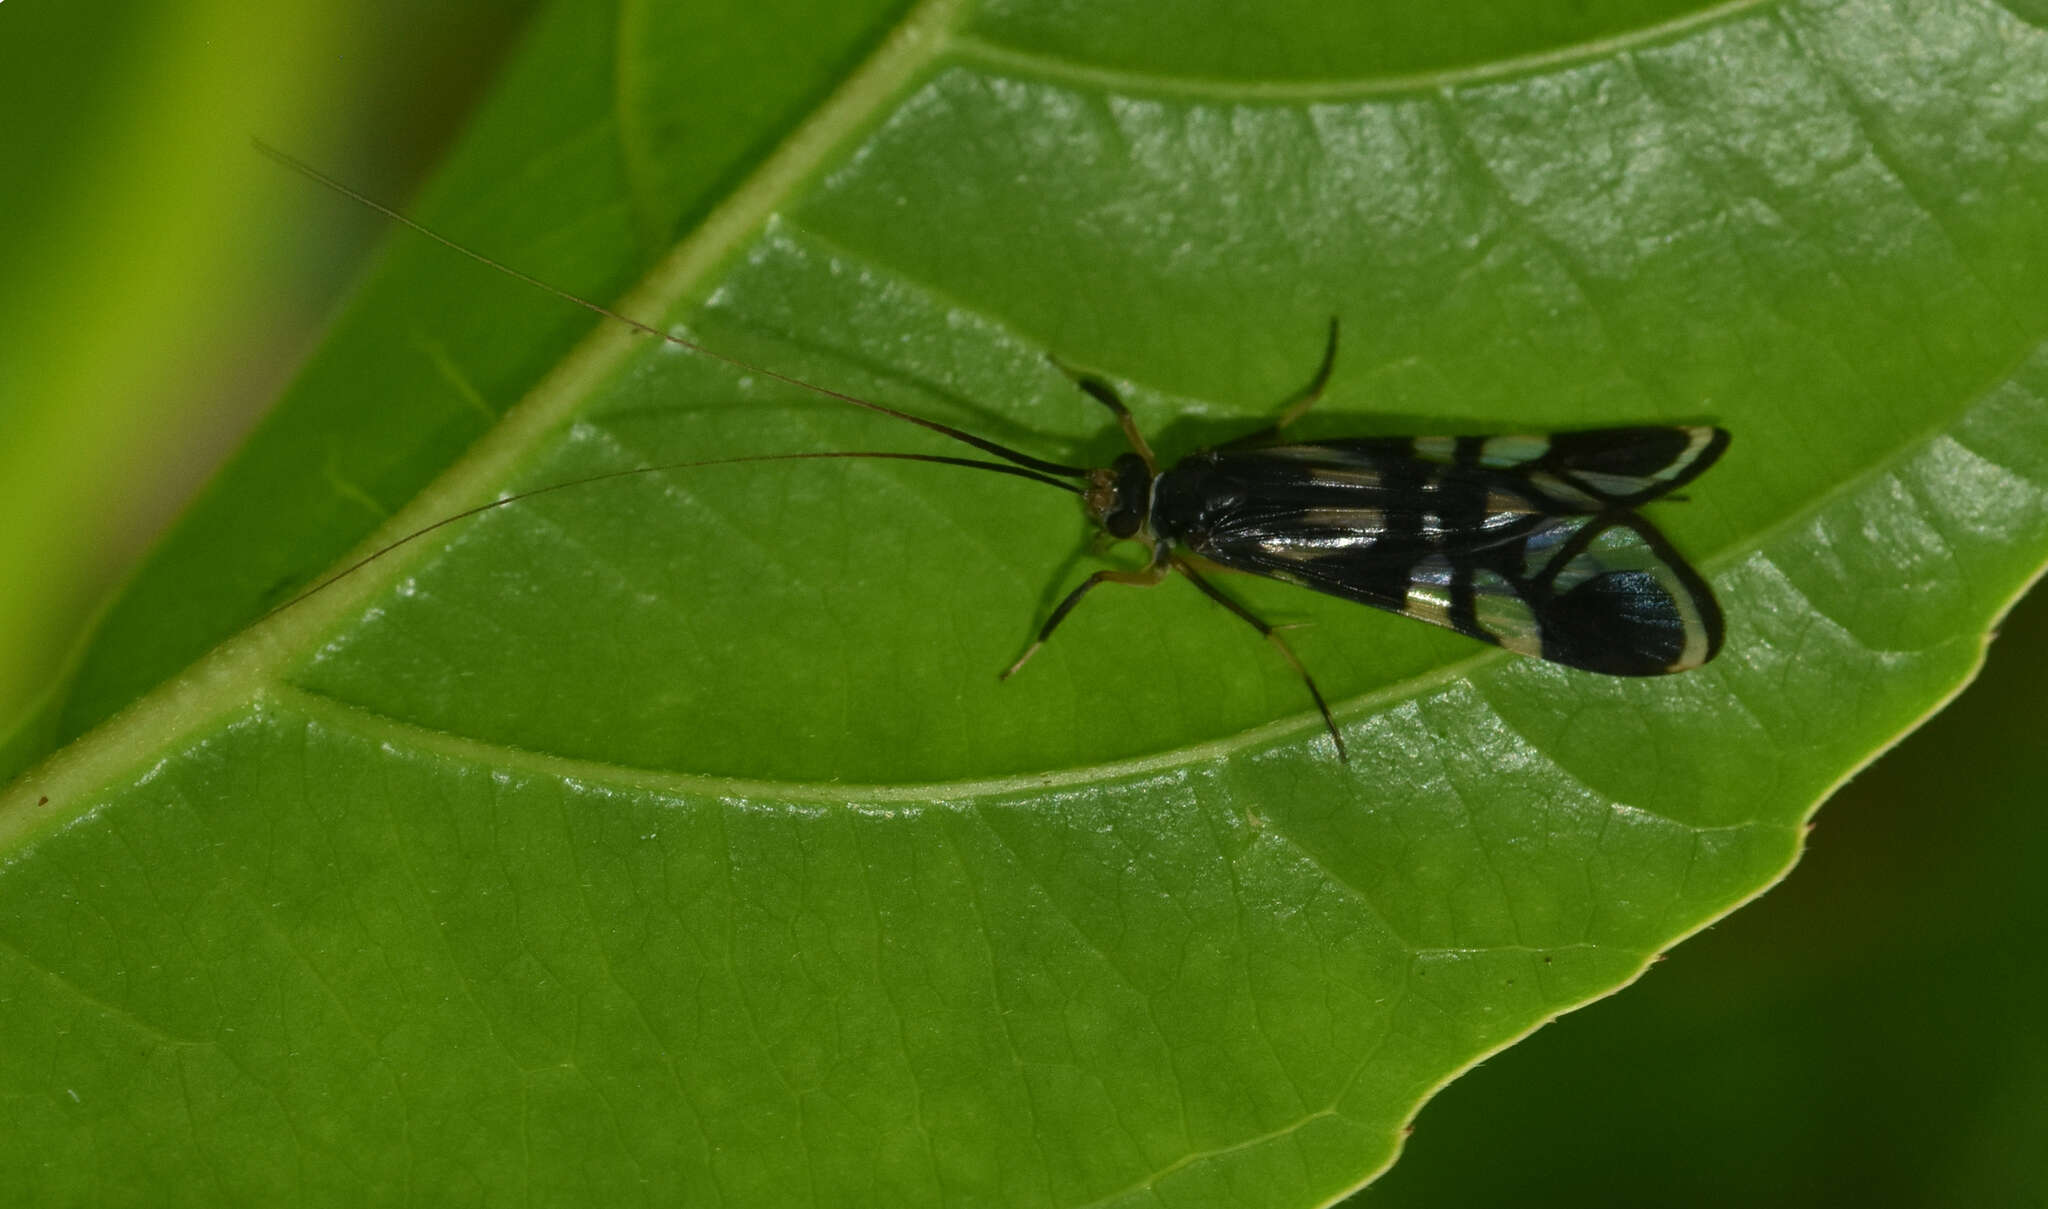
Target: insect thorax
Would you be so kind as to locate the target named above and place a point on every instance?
(1186, 497)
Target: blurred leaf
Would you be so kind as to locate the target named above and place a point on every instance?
(675, 838)
(155, 283)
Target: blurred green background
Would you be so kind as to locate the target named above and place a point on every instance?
(158, 281)
(1867, 1034)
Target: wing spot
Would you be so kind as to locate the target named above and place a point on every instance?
(1436, 449)
(1502, 452)
(1429, 592)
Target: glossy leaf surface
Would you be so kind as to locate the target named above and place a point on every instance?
(675, 837)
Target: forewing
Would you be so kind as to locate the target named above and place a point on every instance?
(1587, 471)
(1482, 551)
(1606, 594)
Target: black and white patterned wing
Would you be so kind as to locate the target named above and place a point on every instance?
(1588, 471)
(1537, 553)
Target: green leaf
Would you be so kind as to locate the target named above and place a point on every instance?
(1916, 930)
(675, 838)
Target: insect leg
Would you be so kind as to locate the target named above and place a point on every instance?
(1298, 403)
(1144, 579)
(1103, 393)
(1270, 634)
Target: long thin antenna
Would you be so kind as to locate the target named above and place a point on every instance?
(502, 501)
(982, 443)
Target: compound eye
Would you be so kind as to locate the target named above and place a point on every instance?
(1133, 497)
